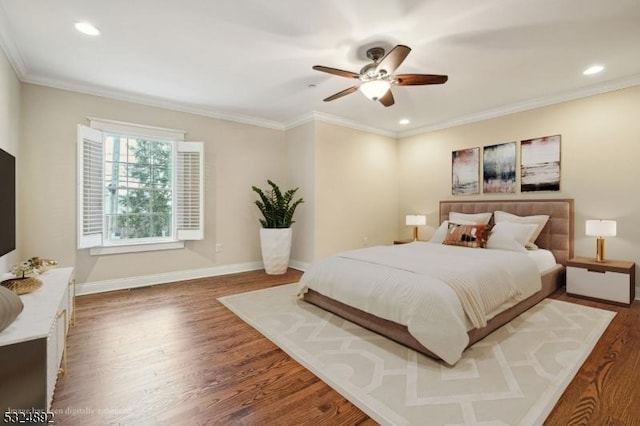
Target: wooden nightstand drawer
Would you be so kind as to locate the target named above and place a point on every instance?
(612, 286)
(612, 281)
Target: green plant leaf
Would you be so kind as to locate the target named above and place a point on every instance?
(277, 208)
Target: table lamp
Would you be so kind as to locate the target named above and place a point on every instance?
(600, 228)
(416, 220)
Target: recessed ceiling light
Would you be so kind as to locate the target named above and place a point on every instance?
(594, 69)
(404, 121)
(87, 28)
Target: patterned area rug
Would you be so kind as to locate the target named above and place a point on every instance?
(512, 377)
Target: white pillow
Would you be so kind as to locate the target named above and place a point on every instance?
(439, 236)
(539, 220)
(474, 218)
(510, 236)
(498, 242)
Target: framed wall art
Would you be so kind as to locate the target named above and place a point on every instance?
(465, 171)
(499, 168)
(540, 164)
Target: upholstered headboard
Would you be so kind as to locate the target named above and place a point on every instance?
(557, 235)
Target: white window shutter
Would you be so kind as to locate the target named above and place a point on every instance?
(190, 190)
(90, 184)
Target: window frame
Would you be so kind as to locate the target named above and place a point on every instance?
(88, 203)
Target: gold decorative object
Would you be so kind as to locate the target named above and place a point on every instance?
(26, 272)
(42, 265)
(22, 285)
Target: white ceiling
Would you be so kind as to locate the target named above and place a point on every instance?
(250, 60)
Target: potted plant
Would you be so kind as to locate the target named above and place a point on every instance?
(277, 210)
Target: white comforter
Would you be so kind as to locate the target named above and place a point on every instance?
(439, 292)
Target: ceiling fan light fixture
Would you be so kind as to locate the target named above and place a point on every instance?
(375, 89)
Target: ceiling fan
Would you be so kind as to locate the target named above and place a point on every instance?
(377, 77)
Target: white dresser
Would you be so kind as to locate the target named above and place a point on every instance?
(32, 348)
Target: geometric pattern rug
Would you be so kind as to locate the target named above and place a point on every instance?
(512, 377)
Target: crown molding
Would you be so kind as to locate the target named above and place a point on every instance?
(584, 92)
(333, 119)
(299, 121)
(150, 101)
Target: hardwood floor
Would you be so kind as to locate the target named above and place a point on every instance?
(173, 355)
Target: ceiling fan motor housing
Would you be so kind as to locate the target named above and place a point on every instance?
(375, 53)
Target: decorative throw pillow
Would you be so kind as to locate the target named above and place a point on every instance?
(10, 307)
(441, 233)
(539, 220)
(466, 235)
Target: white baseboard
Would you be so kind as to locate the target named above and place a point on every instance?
(170, 277)
(300, 266)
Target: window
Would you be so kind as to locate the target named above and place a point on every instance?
(137, 186)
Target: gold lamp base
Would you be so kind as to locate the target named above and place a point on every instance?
(600, 250)
(415, 233)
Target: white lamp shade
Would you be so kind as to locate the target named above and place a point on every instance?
(600, 228)
(416, 220)
(375, 89)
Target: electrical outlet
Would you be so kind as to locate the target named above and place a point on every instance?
(218, 247)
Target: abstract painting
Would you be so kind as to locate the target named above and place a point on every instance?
(465, 171)
(540, 164)
(499, 168)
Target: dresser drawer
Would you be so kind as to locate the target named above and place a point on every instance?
(607, 285)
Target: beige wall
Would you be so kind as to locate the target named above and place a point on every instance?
(301, 174)
(347, 177)
(357, 186)
(9, 139)
(236, 157)
(356, 189)
(600, 149)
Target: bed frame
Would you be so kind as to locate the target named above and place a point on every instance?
(557, 236)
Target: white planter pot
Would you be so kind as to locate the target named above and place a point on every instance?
(276, 249)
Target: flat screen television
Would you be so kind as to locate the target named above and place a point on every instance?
(7, 202)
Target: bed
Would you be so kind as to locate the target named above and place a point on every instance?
(556, 237)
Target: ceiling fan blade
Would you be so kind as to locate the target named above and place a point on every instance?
(335, 71)
(419, 79)
(393, 59)
(341, 94)
(387, 100)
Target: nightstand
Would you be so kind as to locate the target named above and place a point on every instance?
(611, 281)
(402, 241)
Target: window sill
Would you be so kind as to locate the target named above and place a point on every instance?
(135, 248)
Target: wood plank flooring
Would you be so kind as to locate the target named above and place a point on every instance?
(173, 355)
